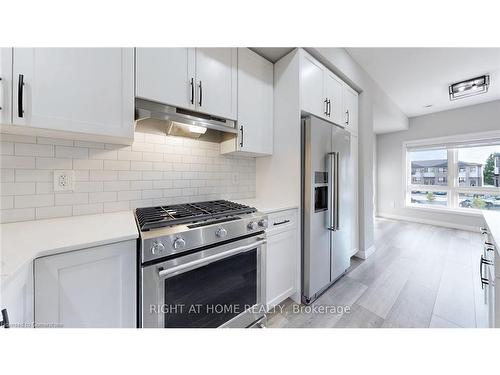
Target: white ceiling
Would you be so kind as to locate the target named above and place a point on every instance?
(416, 77)
(272, 54)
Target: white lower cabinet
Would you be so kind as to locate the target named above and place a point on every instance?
(89, 288)
(281, 257)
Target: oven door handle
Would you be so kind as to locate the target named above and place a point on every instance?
(165, 273)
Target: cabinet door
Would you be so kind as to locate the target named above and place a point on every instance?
(5, 85)
(312, 86)
(166, 75)
(255, 105)
(280, 266)
(333, 88)
(217, 82)
(91, 288)
(350, 111)
(84, 90)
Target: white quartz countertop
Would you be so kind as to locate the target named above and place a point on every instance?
(24, 241)
(266, 206)
(492, 219)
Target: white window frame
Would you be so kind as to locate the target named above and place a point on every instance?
(452, 189)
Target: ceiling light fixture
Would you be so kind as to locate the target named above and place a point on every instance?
(470, 87)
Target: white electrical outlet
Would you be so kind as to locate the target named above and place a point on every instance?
(64, 180)
(234, 178)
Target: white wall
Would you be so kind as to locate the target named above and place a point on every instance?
(472, 119)
(377, 112)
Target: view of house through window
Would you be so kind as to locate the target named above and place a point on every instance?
(461, 177)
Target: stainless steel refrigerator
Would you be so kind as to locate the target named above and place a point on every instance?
(327, 201)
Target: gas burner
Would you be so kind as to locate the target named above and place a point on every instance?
(188, 213)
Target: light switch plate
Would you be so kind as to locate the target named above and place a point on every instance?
(64, 180)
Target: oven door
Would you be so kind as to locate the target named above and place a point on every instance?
(221, 286)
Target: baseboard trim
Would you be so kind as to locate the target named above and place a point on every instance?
(364, 254)
(438, 223)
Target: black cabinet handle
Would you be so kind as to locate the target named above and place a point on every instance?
(484, 281)
(192, 90)
(329, 107)
(5, 319)
(348, 117)
(241, 140)
(326, 106)
(20, 89)
(201, 94)
(281, 222)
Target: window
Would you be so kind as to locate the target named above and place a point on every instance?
(458, 175)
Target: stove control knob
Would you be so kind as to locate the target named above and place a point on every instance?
(179, 243)
(252, 225)
(157, 248)
(221, 232)
(263, 223)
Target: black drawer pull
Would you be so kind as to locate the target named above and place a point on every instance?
(281, 222)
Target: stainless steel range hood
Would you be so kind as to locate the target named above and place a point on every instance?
(185, 123)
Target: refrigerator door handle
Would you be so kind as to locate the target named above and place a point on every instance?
(332, 186)
(337, 198)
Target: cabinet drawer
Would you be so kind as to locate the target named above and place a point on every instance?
(281, 221)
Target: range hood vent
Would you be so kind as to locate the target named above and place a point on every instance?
(185, 123)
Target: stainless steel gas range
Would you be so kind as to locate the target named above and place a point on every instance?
(202, 265)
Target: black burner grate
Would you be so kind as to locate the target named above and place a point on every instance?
(163, 216)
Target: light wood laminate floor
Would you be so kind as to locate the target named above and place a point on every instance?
(420, 276)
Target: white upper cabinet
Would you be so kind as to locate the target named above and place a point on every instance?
(81, 90)
(166, 75)
(217, 81)
(325, 95)
(255, 106)
(5, 85)
(312, 76)
(350, 109)
(333, 93)
(200, 79)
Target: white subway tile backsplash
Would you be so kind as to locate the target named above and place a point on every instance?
(17, 188)
(72, 152)
(103, 154)
(33, 175)
(7, 175)
(141, 165)
(97, 175)
(88, 164)
(129, 155)
(116, 206)
(6, 148)
(6, 202)
(141, 185)
(28, 149)
(63, 199)
(37, 200)
(53, 163)
(17, 214)
(106, 196)
(88, 186)
(117, 165)
(17, 162)
(116, 185)
(156, 169)
(44, 187)
(129, 175)
(88, 209)
(17, 138)
(53, 212)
